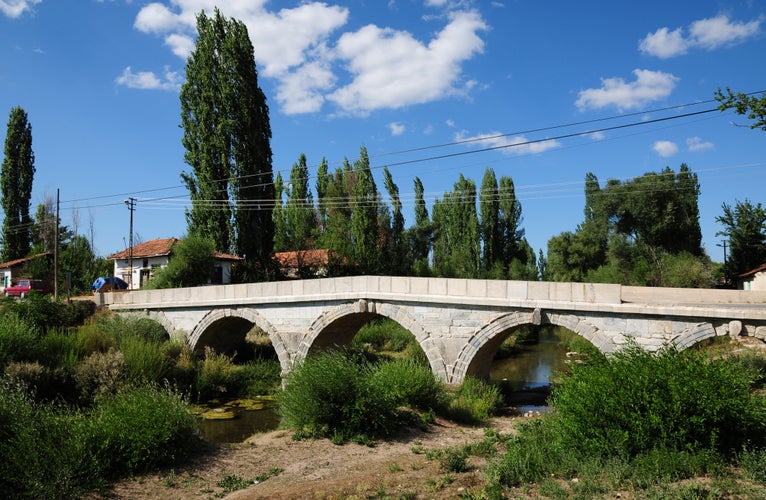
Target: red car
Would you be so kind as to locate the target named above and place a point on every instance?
(24, 287)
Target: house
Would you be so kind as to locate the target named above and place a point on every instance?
(152, 255)
(13, 270)
(303, 263)
(754, 279)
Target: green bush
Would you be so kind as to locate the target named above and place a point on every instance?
(99, 375)
(18, 339)
(61, 349)
(44, 448)
(143, 428)
(409, 384)
(145, 361)
(384, 335)
(473, 402)
(217, 376)
(328, 395)
(261, 377)
(636, 401)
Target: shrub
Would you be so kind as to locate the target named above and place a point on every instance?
(145, 362)
(142, 428)
(261, 377)
(44, 448)
(41, 381)
(18, 339)
(100, 374)
(385, 335)
(328, 395)
(61, 349)
(473, 401)
(217, 375)
(636, 401)
(409, 384)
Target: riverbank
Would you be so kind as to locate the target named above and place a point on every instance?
(404, 467)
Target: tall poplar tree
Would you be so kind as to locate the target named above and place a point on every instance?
(18, 170)
(396, 262)
(299, 212)
(489, 208)
(364, 219)
(227, 140)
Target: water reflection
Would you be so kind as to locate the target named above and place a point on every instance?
(526, 376)
(234, 421)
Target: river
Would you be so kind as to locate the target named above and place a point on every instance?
(525, 378)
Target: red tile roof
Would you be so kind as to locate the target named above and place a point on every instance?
(307, 258)
(757, 270)
(153, 248)
(16, 262)
(160, 247)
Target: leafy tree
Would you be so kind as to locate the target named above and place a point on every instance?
(364, 220)
(227, 140)
(489, 208)
(744, 225)
(191, 264)
(280, 221)
(396, 261)
(457, 237)
(16, 176)
(299, 212)
(336, 232)
(744, 104)
(420, 234)
(77, 258)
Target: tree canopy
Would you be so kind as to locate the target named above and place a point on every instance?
(16, 176)
(227, 140)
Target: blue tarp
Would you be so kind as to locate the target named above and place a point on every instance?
(108, 283)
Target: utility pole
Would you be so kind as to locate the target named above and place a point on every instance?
(56, 251)
(131, 203)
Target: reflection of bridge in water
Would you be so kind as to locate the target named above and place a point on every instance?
(459, 323)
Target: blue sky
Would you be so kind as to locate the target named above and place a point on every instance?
(432, 88)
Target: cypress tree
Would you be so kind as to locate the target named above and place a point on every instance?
(16, 176)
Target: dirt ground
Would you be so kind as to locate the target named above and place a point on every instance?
(277, 467)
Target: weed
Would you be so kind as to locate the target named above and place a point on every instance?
(232, 482)
(454, 460)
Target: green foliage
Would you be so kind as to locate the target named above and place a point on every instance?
(473, 401)
(328, 395)
(456, 247)
(145, 361)
(744, 225)
(384, 335)
(143, 428)
(45, 448)
(191, 264)
(637, 401)
(744, 104)
(217, 375)
(409, 384)
(227, 141)
(100, 374)
(16, 176)
(18, 339)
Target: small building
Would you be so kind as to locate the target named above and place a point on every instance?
(754, 279)
(136, 267)
(303, 263)
(14, 270)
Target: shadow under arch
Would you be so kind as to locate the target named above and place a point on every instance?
(338, 326)
(223, 328)
(475, 359)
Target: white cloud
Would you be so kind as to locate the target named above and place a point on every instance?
(664, 43)
(396, 128)
(598, 136)
(710, 34)
(649, 86)
(695, 145)
(392, 69)
(147, 80)
(15, 8)
(518, 145)
(665, 148)
(299, 48)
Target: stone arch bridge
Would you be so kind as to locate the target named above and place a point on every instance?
(459, 323)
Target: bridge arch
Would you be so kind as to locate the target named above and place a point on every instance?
(240, 320)
(338, 325)
(475, 358)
